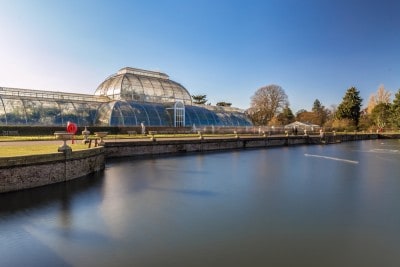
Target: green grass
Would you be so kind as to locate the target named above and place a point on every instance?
(27, 138)
(36, 149)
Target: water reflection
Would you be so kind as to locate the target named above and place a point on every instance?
(266, 207)
(25, 200)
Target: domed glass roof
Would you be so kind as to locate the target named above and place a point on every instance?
(143, 86)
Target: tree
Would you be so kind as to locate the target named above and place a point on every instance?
(199, 99)
(350, 108)
(321, 113)
(300, 111)
(381, 96)
(266, 103)
(380, 115)
(317, 106)
(224, 104)
(285, 117)
(318, 115)
(395, 110)
(330, 115)
(308, 117)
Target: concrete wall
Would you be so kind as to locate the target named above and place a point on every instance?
(24, 172)
(159, 147)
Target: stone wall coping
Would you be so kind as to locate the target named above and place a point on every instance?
(6, 162)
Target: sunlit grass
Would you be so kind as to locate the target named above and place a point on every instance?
(28, 138)
(35, 149)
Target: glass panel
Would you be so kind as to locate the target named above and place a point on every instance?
(202, 116)
(3, 118)
(177, 92)
(148, 89)
(188, 117)
(123, 115)
(166, 119)
(84, 114)
(15, 111)
(194, 118)
(129, 118)
(140, 113)
(154, 118)
(136, 87)
(224, 119)
(211, 118)
(168, 91)
(33, 111)
(158, 90)
(68, 113)
(116, 88)
(104, 114)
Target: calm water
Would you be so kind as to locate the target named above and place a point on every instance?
(335, 205)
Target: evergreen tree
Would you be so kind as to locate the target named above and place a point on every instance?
(350, 108)
(286, 116)
(321, 113)
(380, 115)
(317, 106)
(199, 99)
(395, 110)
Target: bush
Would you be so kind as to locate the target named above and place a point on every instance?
(344, 125)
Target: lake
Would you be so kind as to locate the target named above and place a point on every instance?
(332, 205)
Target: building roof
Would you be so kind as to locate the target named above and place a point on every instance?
(302, 125)
(143, 86)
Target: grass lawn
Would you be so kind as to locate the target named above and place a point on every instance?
(36, 149)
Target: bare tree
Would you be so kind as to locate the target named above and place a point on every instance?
(381, 97)
(267, 102)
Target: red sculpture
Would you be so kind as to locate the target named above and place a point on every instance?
(72, 128)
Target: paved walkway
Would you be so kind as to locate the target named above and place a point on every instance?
(21, 143)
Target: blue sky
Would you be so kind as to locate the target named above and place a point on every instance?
(313, 49)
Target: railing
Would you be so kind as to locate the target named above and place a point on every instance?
(29, 93)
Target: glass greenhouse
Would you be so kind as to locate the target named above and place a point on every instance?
(128, 98)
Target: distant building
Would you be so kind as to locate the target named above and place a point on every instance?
(129, 97)
(302, 126)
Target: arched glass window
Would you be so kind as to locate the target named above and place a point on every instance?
(179, 114)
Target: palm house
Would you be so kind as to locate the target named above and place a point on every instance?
(130, 97)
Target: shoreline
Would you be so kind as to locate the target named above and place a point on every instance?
(24, 172)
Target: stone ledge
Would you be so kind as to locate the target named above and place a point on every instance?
(23, 172)
(6, 162)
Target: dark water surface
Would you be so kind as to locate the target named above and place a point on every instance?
(334, 205)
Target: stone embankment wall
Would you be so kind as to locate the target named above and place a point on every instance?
(18, 173)
(24, 172)
(159, 147)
